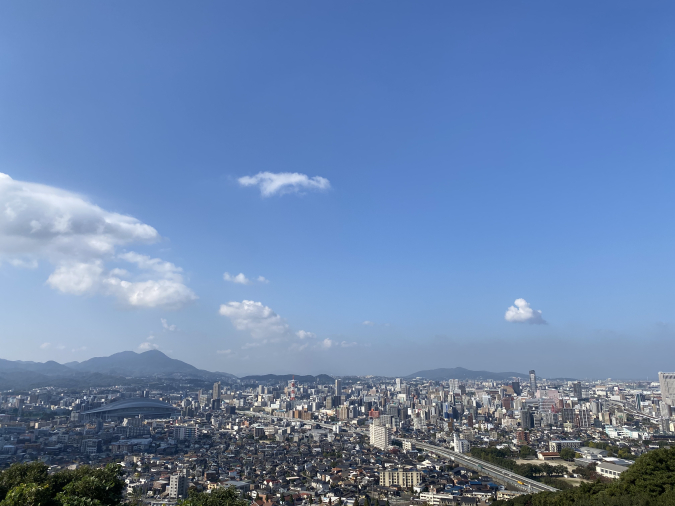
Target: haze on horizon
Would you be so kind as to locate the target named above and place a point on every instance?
(340, 188)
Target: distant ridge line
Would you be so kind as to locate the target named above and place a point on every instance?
(461, 373)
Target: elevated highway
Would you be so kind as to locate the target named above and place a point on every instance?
(499, 474)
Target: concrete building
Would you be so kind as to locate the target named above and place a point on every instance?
(178, 486)
(401, 477)
(461, 445)
(338, 387)
(91, 446)
(667, 382)
(610, 470)
(556, 446)
(577, 390)
(437, 499)
(533, 383)
(380, 436)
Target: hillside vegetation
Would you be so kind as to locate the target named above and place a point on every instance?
(648, 482)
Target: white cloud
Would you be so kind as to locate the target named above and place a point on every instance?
(39, 222)
(148, 346)
(242, 279)
(239, 278)
(260, 321)
(521, 312)
(81, 348)
(284, 182)
(302, 334)
(329, 343)
(224, 352)
(368, 323)
(44, 346)
(166, 326)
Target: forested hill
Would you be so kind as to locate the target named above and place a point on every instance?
(648, 482)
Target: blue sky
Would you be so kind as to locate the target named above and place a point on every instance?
(455, 157)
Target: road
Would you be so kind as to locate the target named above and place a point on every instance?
(498, 473)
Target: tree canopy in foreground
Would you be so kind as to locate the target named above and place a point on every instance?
(648, 482)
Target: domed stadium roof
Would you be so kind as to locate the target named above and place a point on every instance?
(127, 408)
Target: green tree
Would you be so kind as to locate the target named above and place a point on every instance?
(217, 497)
(27, 494)
(29, 484)
(567, 454)
(526, 451)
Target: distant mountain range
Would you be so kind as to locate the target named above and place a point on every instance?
(138, 365)
(464, 374)
(274, 378)
(119, 369)
(127, 366)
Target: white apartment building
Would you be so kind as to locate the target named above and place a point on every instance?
(380, 436)
(461, 445)
(436, 499)
(401, 477)
(178, 486)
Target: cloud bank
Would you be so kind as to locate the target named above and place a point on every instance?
(280, 183)
(253, 317)
(521, 312)
(39, 222)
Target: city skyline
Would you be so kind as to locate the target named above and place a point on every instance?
(288, 190)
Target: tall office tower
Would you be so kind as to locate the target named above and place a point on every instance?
(398, 384)
(516, 387)
(526, 419)
(178, 486)
(667, 381)
(338, 387)
(533, 382)
(216, 391)
(578, 392)
(380, 436)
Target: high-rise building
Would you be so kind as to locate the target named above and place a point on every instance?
(526, 419)
(398, 384)
(516, 387)
(216, 390)
(338, 387)
(533, 383)
(461, 445)
(667, 381)
(380, 436)
(577, 390)
(178, 486)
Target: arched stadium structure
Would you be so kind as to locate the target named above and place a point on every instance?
(130, 408)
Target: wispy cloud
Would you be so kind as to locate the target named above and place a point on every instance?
(167, 327)
(271, 183)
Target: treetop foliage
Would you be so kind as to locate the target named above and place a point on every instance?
(648, 482)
